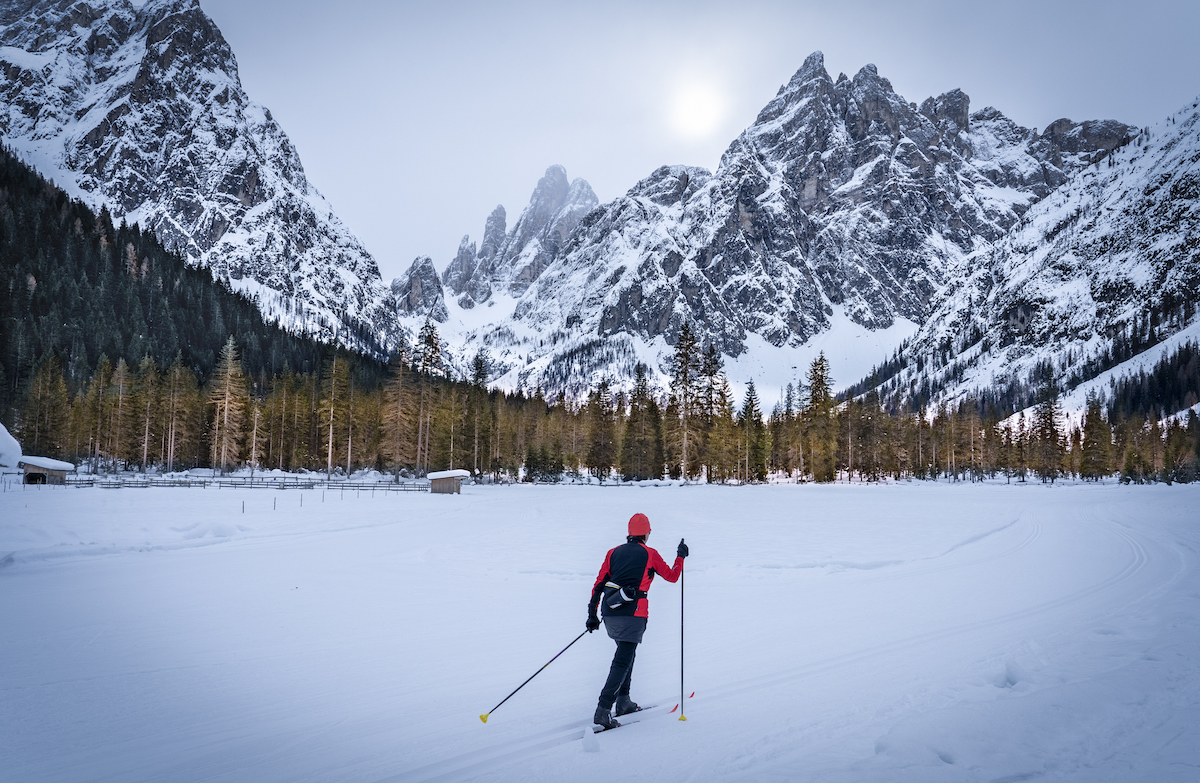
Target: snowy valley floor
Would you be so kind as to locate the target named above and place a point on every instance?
(910, 632)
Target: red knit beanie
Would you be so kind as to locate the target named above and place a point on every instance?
(639, 525)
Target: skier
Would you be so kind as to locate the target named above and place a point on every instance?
(622, 585)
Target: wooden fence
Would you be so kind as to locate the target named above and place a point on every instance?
(245, 482)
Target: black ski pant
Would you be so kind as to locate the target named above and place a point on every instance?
(619, 674)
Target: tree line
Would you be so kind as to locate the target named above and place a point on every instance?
(415, 417)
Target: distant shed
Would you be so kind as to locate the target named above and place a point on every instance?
(447, 482)
(43, 470)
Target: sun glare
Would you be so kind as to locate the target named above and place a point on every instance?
(696, 110)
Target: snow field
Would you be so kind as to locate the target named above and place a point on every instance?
(899, 632)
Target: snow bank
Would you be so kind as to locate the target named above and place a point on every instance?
(10, 450)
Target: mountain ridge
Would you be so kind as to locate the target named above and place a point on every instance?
(1102, 270)
(842, 203)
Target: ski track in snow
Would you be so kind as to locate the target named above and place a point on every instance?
(918, 632)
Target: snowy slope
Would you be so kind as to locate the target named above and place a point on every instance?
(1111, 257)
(139, 108)
(913, 632)
(842, 206)
(1074, 401)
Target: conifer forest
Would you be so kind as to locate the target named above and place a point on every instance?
(119, 355)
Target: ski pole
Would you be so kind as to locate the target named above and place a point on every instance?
(485, 715)
(681, 717)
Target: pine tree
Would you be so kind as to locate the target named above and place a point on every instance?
(1049, 444)
(335, 410)
(45, 420)
(725, 436)
(671, 439)
(147, 409)
(479, 412)
(399, 416)
(351, 411)
(753, 433)
(712, 373)
(685, 376)
(78, 428)
(1096, 446)
(1072, 460)
(429, 349)
(1178, 460)
(789, 442)
(227, 395)
(602, 447)
(120, 413)
(820, 422)
(642, 447)
(534, 459)
(180, 396)
(1134, 461)
(428, 364)
(451, 417)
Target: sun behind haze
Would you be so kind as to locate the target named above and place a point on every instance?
(696, 110)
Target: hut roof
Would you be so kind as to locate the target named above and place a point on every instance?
(441, 474)
(45, 463)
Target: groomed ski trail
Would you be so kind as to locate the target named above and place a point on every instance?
(1012, 538)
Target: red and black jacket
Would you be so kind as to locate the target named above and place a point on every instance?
(632, 565)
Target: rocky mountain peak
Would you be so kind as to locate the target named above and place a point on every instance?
(511, 262)
(459, 271)
(950, 111)
(494, 231)
(811, 80)
(813, 69)
(418, 292)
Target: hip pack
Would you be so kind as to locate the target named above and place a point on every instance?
(616, 596)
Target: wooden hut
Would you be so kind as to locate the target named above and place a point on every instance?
(447, 482)
(43, 470)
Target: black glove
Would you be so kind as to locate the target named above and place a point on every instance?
(593, 622)
(682, 550)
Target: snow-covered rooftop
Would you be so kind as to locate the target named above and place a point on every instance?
(45, 463)
(457, 473)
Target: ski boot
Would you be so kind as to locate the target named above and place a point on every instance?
(624, 706)
(604, 719)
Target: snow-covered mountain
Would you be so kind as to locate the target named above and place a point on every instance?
(509, 263)
(418, 292)
(832, 222)
(845, 219)
(140, 108)
(1100, 278)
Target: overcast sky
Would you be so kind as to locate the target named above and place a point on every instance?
(416, 119)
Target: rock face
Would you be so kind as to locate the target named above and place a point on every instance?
(419, 291)
(510, 262)
(460, 270)
(1104, 266)
(140, 108)
(842, 198)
